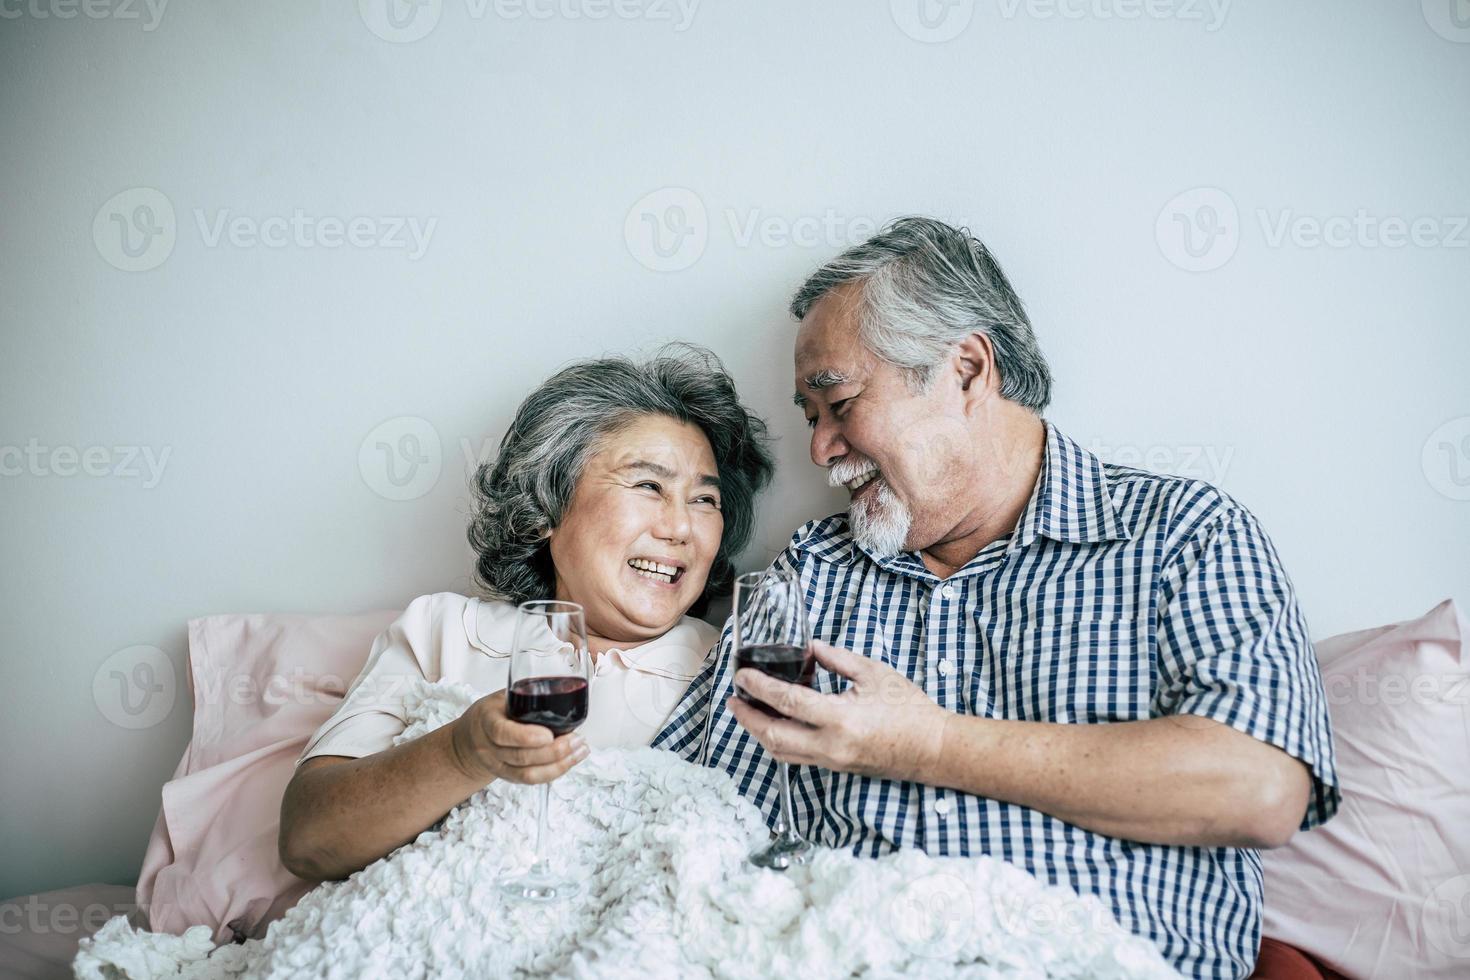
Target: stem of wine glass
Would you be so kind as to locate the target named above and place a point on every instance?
(539, 866)
(788, 819)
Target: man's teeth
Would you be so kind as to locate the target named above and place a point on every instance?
(857, 483)
(653, 570)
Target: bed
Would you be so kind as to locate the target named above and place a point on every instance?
(1380, 891)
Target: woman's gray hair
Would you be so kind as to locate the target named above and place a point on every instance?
(925, 287)
(524, 492)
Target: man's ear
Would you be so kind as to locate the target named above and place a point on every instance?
(974, 360)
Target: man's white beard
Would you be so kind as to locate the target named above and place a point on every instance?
(880, 525)
(881, 522)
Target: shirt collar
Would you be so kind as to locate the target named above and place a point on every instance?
(678, 654)
(1070, 503)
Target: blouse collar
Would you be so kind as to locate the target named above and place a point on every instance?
(678, 654)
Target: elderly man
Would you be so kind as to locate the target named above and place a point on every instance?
(1098, 673)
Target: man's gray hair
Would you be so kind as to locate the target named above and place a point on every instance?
(524, 492)
(925, 286)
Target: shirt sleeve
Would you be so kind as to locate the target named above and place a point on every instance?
(372, 713)
(1233, 647)
(683, 734)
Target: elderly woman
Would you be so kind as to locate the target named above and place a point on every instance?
(626, 487)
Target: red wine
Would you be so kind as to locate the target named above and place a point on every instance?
(783, 661)
(559, 703)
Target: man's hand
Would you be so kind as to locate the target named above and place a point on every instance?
(882, 725)
(488, 745)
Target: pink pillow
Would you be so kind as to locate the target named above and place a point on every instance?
(262, 685)
(1383, 889)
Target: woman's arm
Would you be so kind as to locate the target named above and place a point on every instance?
(339, 814)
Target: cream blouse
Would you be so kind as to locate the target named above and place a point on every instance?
(449, 637)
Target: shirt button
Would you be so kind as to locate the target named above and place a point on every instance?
(947, 591)
(945, 666)
(941, 806)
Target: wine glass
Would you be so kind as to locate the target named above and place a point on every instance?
(774, 636)
(549, 678)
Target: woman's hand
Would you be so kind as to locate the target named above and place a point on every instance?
(489, 746)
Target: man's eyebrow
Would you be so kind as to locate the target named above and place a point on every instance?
(660, 470)
(823, 379)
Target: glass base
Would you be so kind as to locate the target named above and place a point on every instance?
(783, 852)
(532, 887)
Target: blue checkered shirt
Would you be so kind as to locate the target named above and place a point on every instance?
(1120, 595)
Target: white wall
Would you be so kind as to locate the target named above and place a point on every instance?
(1315, 375)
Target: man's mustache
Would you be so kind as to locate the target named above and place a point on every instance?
(848, 468)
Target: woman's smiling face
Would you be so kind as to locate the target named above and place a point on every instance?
(640, 534)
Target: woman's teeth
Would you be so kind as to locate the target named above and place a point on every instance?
(653, 570)
(857, 483)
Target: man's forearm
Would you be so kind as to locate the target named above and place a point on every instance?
(340, 818)
(1179, 779)
(1174, 780)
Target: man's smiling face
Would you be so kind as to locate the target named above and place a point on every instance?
(903, 456)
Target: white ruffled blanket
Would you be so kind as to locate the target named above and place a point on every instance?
(660, 848)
